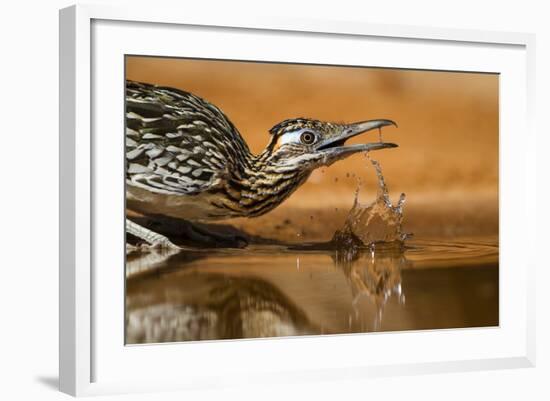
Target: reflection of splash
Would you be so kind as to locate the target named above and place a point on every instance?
(374, 276)
(378, 222)
(213, 306)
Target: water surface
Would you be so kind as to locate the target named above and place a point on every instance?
(265, 291)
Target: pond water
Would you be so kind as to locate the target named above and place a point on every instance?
(271, 290)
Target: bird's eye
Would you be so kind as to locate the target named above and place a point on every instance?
(307, 137)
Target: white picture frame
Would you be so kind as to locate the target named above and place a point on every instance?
(94, 361)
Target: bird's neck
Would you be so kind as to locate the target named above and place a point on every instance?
(261, 186)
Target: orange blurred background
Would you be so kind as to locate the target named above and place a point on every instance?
(446, 163)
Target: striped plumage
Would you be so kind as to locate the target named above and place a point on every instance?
(186, 159)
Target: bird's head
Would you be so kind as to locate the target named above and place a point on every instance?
(305, 144)
(297, 147)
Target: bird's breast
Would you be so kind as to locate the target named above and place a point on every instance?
(203, 206)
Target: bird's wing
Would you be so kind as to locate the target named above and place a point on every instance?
(176, 142)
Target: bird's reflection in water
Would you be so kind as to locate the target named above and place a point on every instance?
(180, 300)
(213, 306)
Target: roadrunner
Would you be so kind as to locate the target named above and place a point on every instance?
(185, 159)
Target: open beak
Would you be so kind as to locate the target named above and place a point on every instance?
(335, 148)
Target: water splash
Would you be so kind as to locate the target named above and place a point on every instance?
(378, 222)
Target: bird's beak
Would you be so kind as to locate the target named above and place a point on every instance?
(333, 148)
